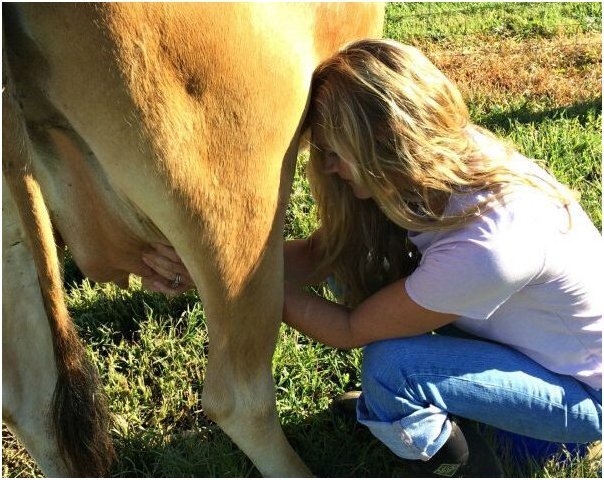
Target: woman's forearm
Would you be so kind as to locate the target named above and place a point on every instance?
(324, 321)
(388, 313)
(301, 261)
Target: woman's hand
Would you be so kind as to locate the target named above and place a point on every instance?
(167, 274)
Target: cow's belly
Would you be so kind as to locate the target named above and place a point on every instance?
(105, 232)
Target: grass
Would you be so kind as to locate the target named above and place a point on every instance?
(440, 21)
(531, 73)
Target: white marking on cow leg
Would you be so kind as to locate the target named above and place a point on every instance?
(29, 374)
(245, 409)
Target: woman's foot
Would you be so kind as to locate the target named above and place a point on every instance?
(346, 404)
(465, 453)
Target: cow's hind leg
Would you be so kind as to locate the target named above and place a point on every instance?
(239, 391)
(241, 282)
(51, 394)
(28, 371)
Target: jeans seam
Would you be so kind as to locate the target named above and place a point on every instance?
(449, 377)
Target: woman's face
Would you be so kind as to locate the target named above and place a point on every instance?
(336, 165)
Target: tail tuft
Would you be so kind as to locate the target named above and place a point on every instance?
(80, 414)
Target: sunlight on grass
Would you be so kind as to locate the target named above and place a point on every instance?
(151, 351)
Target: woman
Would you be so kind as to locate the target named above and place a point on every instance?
(508, 256)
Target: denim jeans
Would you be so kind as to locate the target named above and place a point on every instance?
(411, 385)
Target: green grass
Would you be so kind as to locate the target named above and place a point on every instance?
(571, 146)
(151, 351)
(444, 21)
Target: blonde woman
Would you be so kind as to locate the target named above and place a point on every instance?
(428, 220)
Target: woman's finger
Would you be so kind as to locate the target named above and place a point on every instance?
(160, 260)
(159, 284)
(165, 267)
(158, 266)
(167, 272)
(167, 251)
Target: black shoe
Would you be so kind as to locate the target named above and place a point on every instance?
(464, 454)
(345, 405)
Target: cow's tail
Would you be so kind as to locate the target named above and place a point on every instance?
(79, 412)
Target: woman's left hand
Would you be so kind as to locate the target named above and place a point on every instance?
(167, 274)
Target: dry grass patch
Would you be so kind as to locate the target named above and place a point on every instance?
(563, 70)
(16, 462)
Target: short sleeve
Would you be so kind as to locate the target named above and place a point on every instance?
(473, 272)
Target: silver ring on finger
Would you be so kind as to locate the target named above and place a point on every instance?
(177, 282)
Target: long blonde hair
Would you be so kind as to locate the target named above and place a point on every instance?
(403, 128)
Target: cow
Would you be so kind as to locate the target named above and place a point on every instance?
(126, 124)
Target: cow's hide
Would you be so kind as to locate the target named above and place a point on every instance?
(125, 124)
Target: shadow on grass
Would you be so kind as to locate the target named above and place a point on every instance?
(108, 315)
(527, 114)
(330, 445)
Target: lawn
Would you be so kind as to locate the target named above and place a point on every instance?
(531, 73)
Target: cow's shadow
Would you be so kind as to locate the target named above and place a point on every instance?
(189, 444)
(525, 114)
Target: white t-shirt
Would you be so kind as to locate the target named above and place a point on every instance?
(519, 276)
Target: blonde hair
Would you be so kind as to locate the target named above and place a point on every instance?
(403, 128)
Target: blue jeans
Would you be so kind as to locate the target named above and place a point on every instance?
(411, 385)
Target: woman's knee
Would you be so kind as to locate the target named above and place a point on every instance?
(386, 359)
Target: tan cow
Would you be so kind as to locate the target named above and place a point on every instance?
(125, 124)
